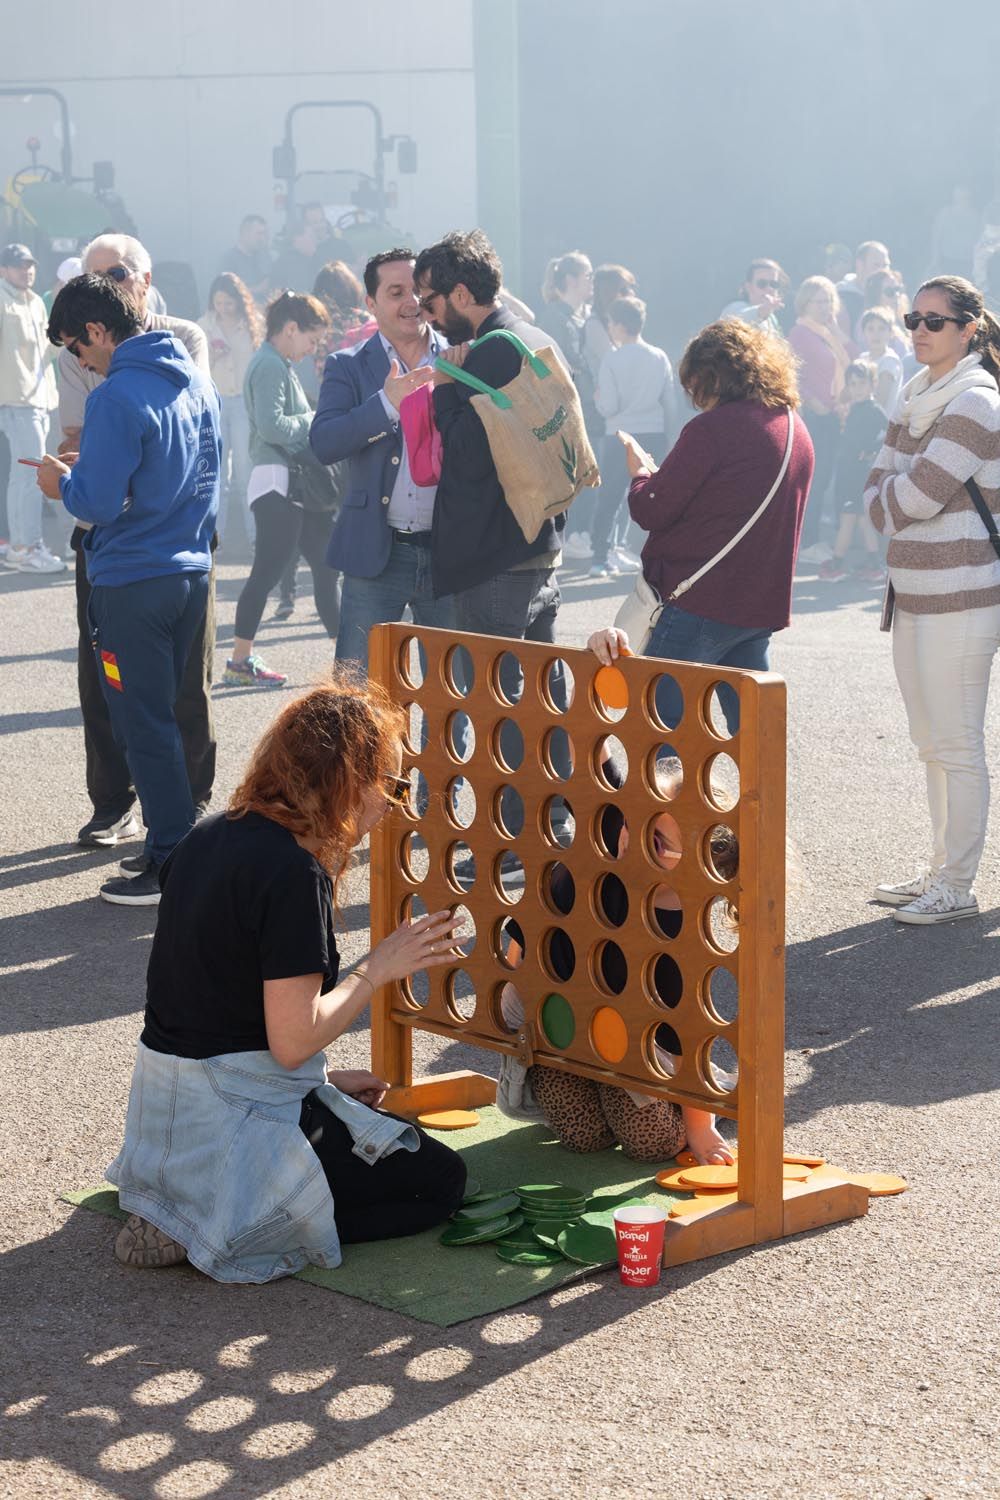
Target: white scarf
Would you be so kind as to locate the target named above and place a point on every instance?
(920, 403)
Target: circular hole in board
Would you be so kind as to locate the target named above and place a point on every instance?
(500, 1008)
(414, 856)
(507, 677)
(664, 981)
(721, 852)
(721, 710)
(721, 782)
(720, 925)
(608, 968)
(557, 888)
(415, 729)
(663, 841)
(664, 772)
(664, 916)
(508, 877)
(610, 762)
(608, 1034)
(653, 1046)
(558, 755)
(415, 990)
(722, 995)
(558, 685)
(558, 954)
(461, 993)
(460, 864)
(460, 737)
(557, 1021)
(459, 671)
(558, 822)
(722, 1066)
(412, 908)
(609, 824)
(460, 802)
(419, 799)
(665, 701)
(412, 661)
(611, 900)
(466, 939)
(508, 811)
(508, 745)
(507, 946)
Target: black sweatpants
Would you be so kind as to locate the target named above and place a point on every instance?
(109, 781)
(283, 530)
(400, 1194)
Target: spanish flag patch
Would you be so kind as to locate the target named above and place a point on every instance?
(109, 661)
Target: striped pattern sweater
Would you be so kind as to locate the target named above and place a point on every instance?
(940, 556)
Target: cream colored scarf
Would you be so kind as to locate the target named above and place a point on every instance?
(921, 403)
(831, 337)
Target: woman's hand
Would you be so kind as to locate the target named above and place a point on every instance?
(359, 1084)
(424, 944)
(608, 644)
(640, 463)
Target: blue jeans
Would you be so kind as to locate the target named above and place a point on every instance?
(405, 580)
(142, 635)
(682, 636)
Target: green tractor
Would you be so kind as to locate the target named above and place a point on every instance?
(51, 210)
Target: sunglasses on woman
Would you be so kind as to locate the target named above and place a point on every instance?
(397, 790)
(935, 321)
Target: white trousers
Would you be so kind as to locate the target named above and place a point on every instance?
(25, 428)
(943, 669)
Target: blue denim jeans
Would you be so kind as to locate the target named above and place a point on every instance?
(405, 580)
(682, 636)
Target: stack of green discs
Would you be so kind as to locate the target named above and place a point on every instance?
(483, 1217)
(550, 1200)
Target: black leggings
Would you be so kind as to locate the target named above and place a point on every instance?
(400, 1194)
(284, 530)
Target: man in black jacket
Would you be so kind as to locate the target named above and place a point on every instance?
(502, 584)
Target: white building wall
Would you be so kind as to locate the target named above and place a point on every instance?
(188, 97)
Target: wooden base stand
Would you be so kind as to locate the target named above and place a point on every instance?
(462, 1090)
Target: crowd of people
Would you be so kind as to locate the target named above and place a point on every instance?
(889, 413)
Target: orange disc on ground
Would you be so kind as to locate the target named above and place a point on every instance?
(800, 1159)
(449, 1119)
(703, 1203)
(719, 1177)
(609, 1034)
(880, 1184)
(611, 687)
(671, 1180)
(792, 1173)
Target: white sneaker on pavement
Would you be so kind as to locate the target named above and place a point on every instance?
(576, 544)
(940, 902)
(36, 559)
(627, 561)
(906, 891)
(818, 553)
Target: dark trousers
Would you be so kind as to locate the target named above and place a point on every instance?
(283, 530)
(109, 781)
(825, 433)
(400, 1194)
(142, 634)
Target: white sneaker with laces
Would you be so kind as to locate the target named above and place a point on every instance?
(940, 902)
(576, 544)
(819, 552)
(627, 561)
(36, 559)
(906, 891)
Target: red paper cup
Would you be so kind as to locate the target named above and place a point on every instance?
(639, 1232)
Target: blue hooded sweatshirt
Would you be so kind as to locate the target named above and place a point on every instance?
(147, 478)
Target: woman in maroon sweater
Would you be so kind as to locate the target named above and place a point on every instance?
(742, 380)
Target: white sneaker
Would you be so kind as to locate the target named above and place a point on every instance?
(627, 561)
(36, 559)
(818, 553)
(576, 544)
(940, 902)
(906, 891)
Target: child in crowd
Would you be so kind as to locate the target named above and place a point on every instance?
(864, 430)
(635, 392)
(876, 331)
(591, 1116)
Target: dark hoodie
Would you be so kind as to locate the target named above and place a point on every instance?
(147, 478)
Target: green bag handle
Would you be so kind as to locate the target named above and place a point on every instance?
(457, 372)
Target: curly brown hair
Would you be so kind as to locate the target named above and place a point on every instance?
(230, 283)
(311, 768)
(733, 361)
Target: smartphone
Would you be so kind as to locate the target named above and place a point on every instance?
(33, 463)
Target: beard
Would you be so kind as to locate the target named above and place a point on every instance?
(455, 326)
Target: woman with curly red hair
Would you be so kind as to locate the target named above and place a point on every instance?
(243, 1153)
(722, 606)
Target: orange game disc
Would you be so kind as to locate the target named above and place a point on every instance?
(609, 1034)
(703, 1203)
(719, 1177)
(449, 1119)
(688, 1158)
(611, 687)
(880, 1184)
(671, 1180)
(800, 1159)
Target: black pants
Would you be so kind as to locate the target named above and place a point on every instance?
(401, 1194)
(283, 531)
(824, 429)
(109, 781)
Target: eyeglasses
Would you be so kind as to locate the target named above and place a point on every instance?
(397, 791)
(73, 345)
(117, 273)
(426, 303)
(771, 286)
(935, 321)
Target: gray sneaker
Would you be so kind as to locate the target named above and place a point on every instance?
(940, 902)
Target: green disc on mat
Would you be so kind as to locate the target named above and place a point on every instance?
(545, 1194)
(588, 1244)
(522, 1257)
(489, 1208)
(601, 1201)
(548, 1231)
(474, 1191)
(604, 1218)
(520, 1237)
(476, 1234)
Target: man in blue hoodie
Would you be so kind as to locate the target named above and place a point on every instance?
(147, 481)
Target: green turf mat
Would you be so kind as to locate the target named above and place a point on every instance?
(444, 1286)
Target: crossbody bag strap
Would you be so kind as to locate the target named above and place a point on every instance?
(985, 514)
(687, 583)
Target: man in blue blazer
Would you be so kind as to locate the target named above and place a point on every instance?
(381, 539)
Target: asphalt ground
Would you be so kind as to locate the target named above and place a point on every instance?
(859, 1360)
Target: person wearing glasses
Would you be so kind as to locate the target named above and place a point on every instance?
(761, 297)
(108, 778)
(941, 455)
(244, 1152)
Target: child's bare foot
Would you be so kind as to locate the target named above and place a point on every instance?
(709, 1147)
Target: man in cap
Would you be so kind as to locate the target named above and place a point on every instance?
(27, 396)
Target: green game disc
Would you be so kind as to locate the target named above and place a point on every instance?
(558, 1020)
(476, 1234)
(522, 1257)
(557, 1211)
(588, 1244)
(520, 1236)
(536, 1194)
(604, 1218)
(474, 1191)
(548, 1231)
(489, 1208)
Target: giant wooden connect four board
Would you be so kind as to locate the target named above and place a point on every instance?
(509, 747)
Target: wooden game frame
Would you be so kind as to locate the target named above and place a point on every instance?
(433, 694)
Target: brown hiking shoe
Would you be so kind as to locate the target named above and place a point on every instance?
(143, 1245)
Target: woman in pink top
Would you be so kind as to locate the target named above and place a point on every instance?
(823, 355)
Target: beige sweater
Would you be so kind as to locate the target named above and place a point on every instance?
(940, 556)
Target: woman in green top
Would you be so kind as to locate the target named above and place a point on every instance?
(286, 517)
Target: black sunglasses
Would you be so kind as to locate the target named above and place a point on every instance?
(935, 321)
(117, 273)
(772, 286)
(397, 791)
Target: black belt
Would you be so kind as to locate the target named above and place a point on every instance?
(413, 538)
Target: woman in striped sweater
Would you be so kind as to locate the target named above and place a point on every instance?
(945, 432)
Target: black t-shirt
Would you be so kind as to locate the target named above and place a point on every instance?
(864, 431)
(242, 902)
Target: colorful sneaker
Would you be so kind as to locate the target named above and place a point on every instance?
(906, 891)
(832, 571)
(36, 559)
(940, 902)
(251, 673)
(109, 831)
